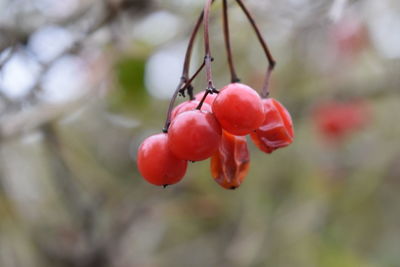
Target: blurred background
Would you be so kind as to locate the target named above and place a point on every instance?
(83, 82)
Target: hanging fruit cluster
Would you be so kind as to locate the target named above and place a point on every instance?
(213, 124)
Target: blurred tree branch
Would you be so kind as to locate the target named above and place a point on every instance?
(10, 36)
(85, 209)
(16, 120)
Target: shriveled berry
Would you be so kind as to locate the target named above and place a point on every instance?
(239, 109)
(277, 129)
(189, 105)
(194, 135)
(230, 164)
(157, 164)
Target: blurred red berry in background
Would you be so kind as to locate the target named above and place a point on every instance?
(336, 120)
(349, 36)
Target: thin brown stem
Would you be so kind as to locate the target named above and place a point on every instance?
(171, 104)
(208, 57)
(265, 90)
(189, 82)
(183, 85)
(188, 55)
(185, 73)
(234, 77)
(202, 100)
(270, 58)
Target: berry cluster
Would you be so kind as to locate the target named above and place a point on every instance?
(214, 123)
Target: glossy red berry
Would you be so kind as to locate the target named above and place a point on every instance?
(189, 105)
(157, 164)
(209, 99)
(336, 120)
(277, 128)
(239, 109)
(194, 135)
(230, 164)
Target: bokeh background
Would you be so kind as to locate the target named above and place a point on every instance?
(83, 82)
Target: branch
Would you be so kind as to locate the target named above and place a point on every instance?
(234, 77)
(270, 58)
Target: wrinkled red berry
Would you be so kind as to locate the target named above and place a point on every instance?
(194, 135)
(157, 164)
(230, 164)
(239, 109)
(277, 129)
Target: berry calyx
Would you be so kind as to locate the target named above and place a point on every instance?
(239, 109)
(194, 135)
(230, 164)
(187, 106)
(157, 164)
(277, 128)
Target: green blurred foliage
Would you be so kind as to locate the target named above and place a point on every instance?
(131, 93)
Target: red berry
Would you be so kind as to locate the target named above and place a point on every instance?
(157, 164)
(349, 36)
(277, 129)
(209, 99)
(336, 120)
(230, 164)
(194, 135)
(189, 105)
(238, 109)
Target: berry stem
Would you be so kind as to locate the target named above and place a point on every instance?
(203, 99)
(183, 85)
(234, 77)
(185, 82)
(188, 56)
(270, 58)
(188, 84)
(208, 57)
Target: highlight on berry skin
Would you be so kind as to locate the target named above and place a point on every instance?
(214, 122)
